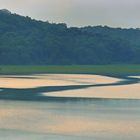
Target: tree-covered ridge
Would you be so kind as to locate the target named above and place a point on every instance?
(27, 41)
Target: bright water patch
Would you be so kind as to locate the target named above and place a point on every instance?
(65, 120)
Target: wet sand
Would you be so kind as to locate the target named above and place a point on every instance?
(32, 81)
(113, 92)
(100, 86)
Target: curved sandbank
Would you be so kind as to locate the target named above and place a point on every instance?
(40, 80)
(100, 86)
(112, 92)
(130, 91)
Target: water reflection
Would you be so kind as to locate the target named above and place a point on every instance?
(100, 119)
(25, 113)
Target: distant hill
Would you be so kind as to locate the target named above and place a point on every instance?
(25, 41)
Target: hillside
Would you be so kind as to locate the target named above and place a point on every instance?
(25, 41)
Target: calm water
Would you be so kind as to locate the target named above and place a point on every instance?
(99, 119)
(32, 108)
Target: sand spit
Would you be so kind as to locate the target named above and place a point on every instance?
(33, 81)
(114, 92)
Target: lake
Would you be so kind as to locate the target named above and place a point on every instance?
(69, 107)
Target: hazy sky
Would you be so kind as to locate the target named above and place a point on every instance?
(118, 13)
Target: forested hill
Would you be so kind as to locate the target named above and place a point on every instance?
(27, 41)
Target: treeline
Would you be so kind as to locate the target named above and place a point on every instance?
(25, 41)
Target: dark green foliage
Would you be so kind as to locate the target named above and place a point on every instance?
(27, 41)
(116, 70)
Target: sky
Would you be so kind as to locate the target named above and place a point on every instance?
(114, 13)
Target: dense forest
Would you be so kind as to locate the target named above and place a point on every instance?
(25, 41)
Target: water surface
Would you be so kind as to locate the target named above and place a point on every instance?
(25, 113)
